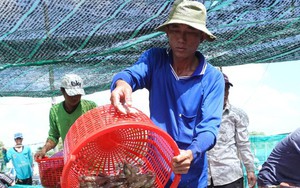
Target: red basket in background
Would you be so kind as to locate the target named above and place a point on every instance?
(102, 138)
(50, 170)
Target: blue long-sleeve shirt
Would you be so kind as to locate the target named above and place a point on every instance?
(22, 161)
(188, 108)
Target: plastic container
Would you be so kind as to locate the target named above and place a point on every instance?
(102, 138)
(50, 170)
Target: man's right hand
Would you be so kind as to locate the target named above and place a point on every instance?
(48, 146)
(121, 97)
(39, 155)
(4, 150)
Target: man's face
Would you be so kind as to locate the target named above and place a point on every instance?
(183, 39)
(226, 93)
(18, 141)
(71, 100)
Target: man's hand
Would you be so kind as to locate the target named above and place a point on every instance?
(121, 97)
(4, 150)
(182, 162)
(286, 185)
(39, 155)
(48, 146)
(251, 179)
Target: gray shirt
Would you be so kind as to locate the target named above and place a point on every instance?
(232, 148)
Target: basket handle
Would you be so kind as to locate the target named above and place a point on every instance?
(176, 181)
(42, 159)
(177, 177)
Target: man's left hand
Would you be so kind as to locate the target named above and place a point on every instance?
(182, 162)
(251, 179)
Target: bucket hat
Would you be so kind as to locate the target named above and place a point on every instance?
(73, 84)
(191, 13)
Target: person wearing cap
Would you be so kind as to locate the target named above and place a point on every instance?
(22, 160)
(185, 92)
(64, 114)
(232, 149)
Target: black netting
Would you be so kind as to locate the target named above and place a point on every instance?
(41, 40)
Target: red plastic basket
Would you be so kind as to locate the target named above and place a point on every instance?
(102, 138)
(50, 170)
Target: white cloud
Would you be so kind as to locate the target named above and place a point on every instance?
(271, 108)
(271, 111)
(26, 115)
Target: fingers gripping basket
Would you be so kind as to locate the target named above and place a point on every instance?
(102, 138)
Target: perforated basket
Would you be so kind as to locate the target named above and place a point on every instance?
(50, 170)
(102, 138)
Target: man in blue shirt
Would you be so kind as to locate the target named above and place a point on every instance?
(186, 92)
(22, 160)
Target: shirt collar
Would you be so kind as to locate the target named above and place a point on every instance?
(201, 68)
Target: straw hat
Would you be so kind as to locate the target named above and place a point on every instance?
(191, 13)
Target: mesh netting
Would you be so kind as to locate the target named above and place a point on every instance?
(261, 147)
(41, 40)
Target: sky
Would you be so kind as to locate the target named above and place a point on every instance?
(268, 93)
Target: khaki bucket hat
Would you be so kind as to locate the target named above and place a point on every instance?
(191, 13)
